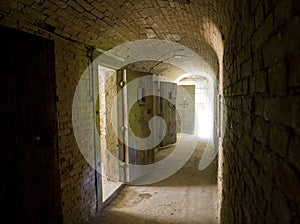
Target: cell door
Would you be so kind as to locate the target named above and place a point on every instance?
(29, 154)
(168, 92)
(135, 109)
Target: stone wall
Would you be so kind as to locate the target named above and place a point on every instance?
(261, 87)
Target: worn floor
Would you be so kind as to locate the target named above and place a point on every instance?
(189, 196)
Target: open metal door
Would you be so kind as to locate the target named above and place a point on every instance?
(137, 118)
(122, 121)
(168, 92)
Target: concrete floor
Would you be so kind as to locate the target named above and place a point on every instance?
(189, 196)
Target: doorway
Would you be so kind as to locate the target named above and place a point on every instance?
(139, 97)
(200, 111)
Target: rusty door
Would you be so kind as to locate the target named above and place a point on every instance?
(136, 118)
(168, 92)
(29, 152)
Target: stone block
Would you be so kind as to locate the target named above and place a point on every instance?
(279, 206)
(246, 68)
(85, 5)
(277, 79)
(274, 50)
(288, 182)
(246, 104)
(245, 86)
(261, 78)
(259, 15)
(294, 71)
(283, 12)
(257, 41)
(258, 106)
(283, 110)
(261, 131)
(237, 89)
(259, 151)
(294, 151)
(269, 6)
(279, 140)
(252, 85)
(257, 62)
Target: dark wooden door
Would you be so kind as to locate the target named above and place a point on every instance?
(139, 115)
(137, 118)
(29, 152)
(9, 165)
(168, 92)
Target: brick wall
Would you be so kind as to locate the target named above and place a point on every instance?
(77, 176)
(261, 87)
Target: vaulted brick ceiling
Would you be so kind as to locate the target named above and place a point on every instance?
(195, 24)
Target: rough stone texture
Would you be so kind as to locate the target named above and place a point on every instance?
(260, 175)
(77, 177)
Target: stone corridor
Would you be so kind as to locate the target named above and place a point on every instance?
(241, 55)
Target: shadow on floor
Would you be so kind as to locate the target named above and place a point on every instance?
(113, 217)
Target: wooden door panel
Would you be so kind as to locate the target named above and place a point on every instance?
(168, 92)
(139, 116)
(28, 79)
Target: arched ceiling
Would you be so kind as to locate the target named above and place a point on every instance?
(105, 24)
